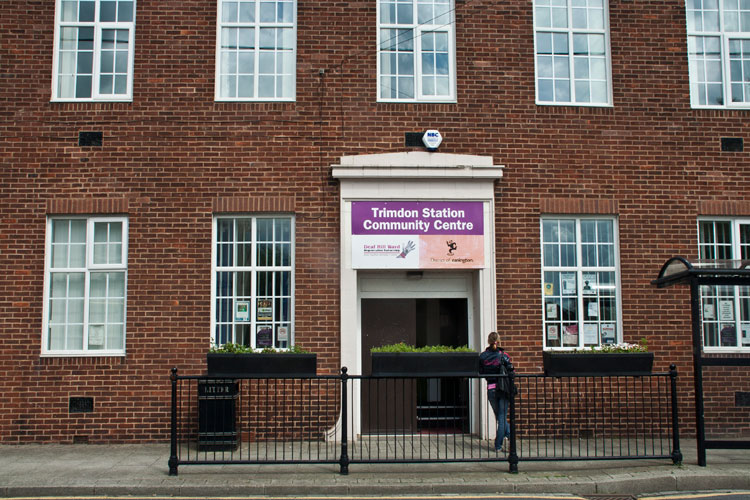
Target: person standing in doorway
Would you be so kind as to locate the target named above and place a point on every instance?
(494, 361)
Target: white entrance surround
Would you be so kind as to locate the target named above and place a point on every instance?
(415, 176)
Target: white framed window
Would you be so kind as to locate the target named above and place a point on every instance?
(85, 285)
(719, 53)
(416, 51)
(94, 48)
(572, 56)
(256, 50)
(253, 281)
(580, 282)
(725, 310)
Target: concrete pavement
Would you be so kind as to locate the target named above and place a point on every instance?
(141, 469)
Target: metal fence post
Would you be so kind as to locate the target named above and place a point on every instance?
(173, 460)
(344, 460)
(512, 456)
(676, 453)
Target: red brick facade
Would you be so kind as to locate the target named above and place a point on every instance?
(174, 157)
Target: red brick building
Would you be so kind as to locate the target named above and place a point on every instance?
(181, 173)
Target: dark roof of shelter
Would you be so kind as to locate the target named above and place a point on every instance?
(707, 272)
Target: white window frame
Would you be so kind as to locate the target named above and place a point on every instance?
(254, 269)
(87, 270)
(712, 300)
(419, 30)
(256, 25)
(579, 270)
(570, 31)
(98, 27)
(696, 68)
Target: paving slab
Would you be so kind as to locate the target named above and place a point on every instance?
(129, 470)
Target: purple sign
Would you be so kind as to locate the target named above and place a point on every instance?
(417, 217)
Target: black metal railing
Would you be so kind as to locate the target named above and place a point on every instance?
(349, 419)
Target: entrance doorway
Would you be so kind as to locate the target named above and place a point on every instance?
(424, 405)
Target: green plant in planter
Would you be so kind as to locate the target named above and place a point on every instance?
(403, 347)
(230, 348)
(621, 348)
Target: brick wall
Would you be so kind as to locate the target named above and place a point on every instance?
(173, 157)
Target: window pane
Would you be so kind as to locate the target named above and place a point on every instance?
(581, 284)
(554, 79)
(265, 289)
(69, 294)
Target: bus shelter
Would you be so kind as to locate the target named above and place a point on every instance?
(677, 271)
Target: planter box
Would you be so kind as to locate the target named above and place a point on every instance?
(261, 364)
(432, 364)
(557, 364)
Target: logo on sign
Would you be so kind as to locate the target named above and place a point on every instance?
(432, 139)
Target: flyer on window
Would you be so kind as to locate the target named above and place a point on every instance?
(568, 283)
(96, 335)
(589, 283)
(551, 310)
(593, 309)
(570, 335)
(590, 333)
(746, 334)
(608, 334)
(263, 336)
(708, 311)
(264, 311)
(242, 310)
(726, 310)
(282, 333)
(553, 332)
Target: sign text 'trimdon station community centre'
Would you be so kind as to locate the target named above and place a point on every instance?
(417, 235)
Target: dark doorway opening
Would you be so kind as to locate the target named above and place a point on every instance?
(432, 405)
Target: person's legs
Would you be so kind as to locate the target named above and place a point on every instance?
(503, 425)
(503, 428)
(494, 403)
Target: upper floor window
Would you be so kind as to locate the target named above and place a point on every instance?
(725, 310)
(719, 52)
(85, 282)
(416, 50)
(257, 43)
(93, 58)
(571, 39)
(253, 281)
(580, 282)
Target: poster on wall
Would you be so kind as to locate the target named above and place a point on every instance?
(417, 235)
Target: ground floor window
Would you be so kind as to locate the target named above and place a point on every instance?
(85, 286)
(725, 310)
(253, 281)
(580, 282)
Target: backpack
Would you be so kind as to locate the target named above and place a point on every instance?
(503, 381)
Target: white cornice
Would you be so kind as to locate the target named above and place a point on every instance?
(416, 164)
